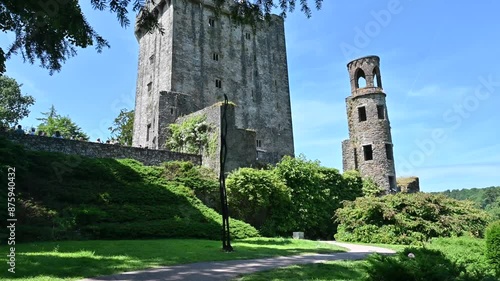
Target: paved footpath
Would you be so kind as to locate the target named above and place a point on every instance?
(228, 270)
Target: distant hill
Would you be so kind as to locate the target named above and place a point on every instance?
(487, 198)
(59, 196)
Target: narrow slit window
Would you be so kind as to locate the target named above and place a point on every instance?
(368, 152)
(211, 22)
(355, 159)
(388, 151)
(152, 59)
(148, 131)
(171, 111)
(215, 56)
(218, 83)
(362, 113)
(150, 87)
(247, 36)
(259, 143)
(381, 112)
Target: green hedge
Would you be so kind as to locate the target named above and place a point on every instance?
(493, 246)
(407, 219)
(70, 197)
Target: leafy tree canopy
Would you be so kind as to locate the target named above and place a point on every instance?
(13, 105)
(50, 31)
(123, 126)
(53, 122)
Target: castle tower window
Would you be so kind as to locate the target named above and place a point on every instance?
(152, 59)
(388, 151)
(360, 78)
(150, 87)
(247, 36)
(148, 129)
(211, 22)
(172, 111)
(368, 152)
(215, 56)
(376, 77)
(362, 113)
(380, 112)
(218, 83)
(259, 143)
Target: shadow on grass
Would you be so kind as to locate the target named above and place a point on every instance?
(321, 271)
(269, 242)
(98, 258)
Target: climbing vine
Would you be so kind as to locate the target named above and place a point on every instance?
(194, 135)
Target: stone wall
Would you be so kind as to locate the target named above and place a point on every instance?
(409, 184)
(99, 150)
(241, 151)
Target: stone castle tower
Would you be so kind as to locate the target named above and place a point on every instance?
(369, 148)
(201, 57)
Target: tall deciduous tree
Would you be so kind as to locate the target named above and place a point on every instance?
(123, 126)
(13, 104)
(51, 30)
(52, 122)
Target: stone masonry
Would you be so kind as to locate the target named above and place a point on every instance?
(369, 148)
(201, 57)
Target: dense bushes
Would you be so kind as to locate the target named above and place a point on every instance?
(70, 197)
(407, 219)
(296, 195)
(415, 264)
(493, 246)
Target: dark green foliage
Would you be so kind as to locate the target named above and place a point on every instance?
(296, 195)
(13, 104)
(415, 264)
(467, 252)
(487, 199)
(51, 31)
(69, 197)
(260, 198)
(493, 246)
(123, 126)
(407, 219)
(201, 180)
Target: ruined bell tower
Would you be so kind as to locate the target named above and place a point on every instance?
(369, 148)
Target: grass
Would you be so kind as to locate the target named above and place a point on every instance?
(73, 260)
(329, 271)
(466, 251)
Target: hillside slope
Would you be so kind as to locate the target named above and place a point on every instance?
(69, 197)
(487, 198)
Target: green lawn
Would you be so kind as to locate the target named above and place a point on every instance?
(329, 271)
(73, 260)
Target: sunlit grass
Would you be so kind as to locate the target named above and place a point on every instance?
(73, 260)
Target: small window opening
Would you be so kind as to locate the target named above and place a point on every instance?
(247, 36)
(368, 152)
(218, 83)
(259, 143)
(355, 159)
(148, 131)
(171, 111)
(392, 184)
(150, 87)
(388, 151)
(376, 78)
(215, 57)
(362, 113)
(152, 59)
(381, 112)
(211, 22)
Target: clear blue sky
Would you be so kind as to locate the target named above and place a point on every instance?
(440, 67)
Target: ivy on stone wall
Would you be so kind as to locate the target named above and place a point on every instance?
(194, 135)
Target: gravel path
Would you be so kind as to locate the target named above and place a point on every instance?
(227, 270)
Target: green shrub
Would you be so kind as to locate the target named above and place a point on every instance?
(493, 246)
(69, 197)
(415, 264)
(260, 198)
(407, 219)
